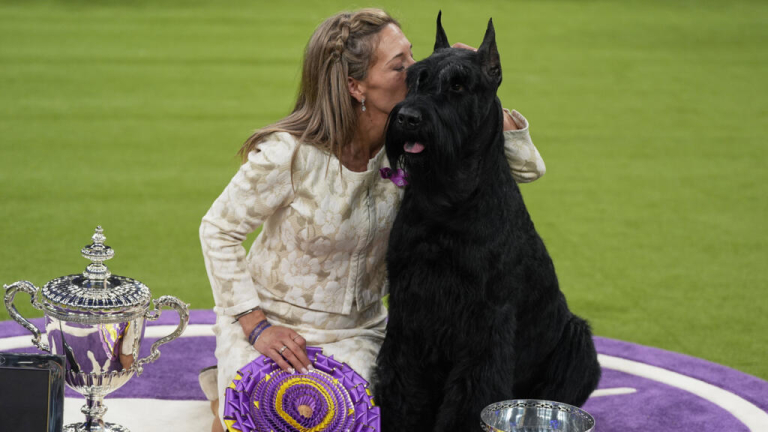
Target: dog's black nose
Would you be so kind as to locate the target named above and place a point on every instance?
(408, 118)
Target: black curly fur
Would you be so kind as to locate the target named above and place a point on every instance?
(475, 312)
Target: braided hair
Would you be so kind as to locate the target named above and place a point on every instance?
(342, 46)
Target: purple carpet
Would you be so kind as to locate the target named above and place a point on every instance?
(652, 406)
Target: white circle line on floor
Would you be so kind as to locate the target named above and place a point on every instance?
(612, 391)
(746, 412)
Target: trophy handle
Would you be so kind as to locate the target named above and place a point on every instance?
(182, 309)
(31, 289)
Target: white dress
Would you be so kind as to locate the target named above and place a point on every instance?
(318, 265)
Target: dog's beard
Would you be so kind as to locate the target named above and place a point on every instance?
(424, 153)
(406, 149)
(411, 153)
(433, 154)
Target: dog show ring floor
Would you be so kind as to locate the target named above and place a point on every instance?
(642, 388)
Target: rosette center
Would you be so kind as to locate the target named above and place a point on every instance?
(305, 411)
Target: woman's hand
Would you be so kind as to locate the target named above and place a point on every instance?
(464, 46)
(272, 340)
(281, 344)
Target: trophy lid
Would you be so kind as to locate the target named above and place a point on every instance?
(96, 295)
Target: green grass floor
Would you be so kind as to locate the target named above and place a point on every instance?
(652, 118)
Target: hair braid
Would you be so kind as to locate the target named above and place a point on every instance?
(324, 116)
(341, 40)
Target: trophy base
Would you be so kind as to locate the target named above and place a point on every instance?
(108, 427)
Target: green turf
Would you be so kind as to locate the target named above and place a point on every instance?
(651, 117)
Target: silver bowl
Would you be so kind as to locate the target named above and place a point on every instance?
(531, 415)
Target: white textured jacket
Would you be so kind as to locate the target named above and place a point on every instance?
(324, 238)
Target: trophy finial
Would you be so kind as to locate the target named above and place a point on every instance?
(97, 252)
(99, 237)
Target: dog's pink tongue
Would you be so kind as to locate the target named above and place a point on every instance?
(413, 147)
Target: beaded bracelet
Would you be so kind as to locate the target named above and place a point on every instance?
(256, 332)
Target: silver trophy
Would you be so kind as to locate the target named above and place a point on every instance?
(534, 415)
(96, 320)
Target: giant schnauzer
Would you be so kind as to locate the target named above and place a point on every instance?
(475, 312)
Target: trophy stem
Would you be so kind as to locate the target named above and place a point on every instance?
(94, 410)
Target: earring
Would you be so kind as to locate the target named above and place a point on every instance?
(363, 102)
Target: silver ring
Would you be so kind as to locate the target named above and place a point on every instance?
(280, 351)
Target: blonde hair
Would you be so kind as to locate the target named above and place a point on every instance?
(324, 116)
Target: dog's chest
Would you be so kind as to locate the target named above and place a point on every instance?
(439, 285)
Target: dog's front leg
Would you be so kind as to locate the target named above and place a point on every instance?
(407, 400)
(478, 380)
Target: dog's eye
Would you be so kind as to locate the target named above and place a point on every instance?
(456, 87)
(422, 77)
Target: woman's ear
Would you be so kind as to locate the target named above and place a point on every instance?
(356, 89)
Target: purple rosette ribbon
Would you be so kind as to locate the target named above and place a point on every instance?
(333, 398)
(397, 177)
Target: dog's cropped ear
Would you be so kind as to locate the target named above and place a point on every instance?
(441, 40)
(489, 54)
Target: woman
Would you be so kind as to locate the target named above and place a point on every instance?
(316, 272)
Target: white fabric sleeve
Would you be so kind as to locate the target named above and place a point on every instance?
(261, 186)
(523, 157)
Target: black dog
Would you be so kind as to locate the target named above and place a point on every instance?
(475, 312)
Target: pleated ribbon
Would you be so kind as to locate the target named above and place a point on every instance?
(333, 398)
